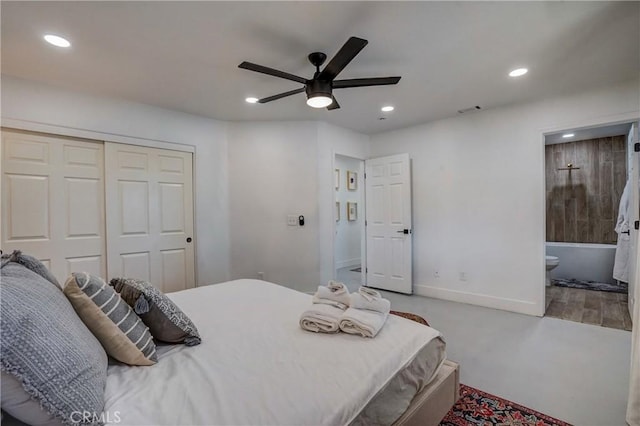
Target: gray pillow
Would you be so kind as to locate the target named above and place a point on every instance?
(46, 347)
(165, 320)
(32, 264)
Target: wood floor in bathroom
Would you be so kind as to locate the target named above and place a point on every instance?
(588, 306)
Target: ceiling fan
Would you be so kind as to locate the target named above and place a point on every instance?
(319, 89)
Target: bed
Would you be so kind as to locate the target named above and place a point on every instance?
(256, 366)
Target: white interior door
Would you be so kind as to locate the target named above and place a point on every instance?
(634, 207)
(150, 215)
(388, 225)
(53, 201)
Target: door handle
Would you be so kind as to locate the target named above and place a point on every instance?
(188, 239)
(404, 231)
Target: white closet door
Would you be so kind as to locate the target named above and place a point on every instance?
(53, 201)
(150, 215)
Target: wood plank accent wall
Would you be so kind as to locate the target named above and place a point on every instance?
(582, 205)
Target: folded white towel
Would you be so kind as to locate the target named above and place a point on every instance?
(321, 318)
(334, 294)
(369, 299)
(367, 313)
(364, 322)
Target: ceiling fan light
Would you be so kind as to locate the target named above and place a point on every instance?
(319, 101)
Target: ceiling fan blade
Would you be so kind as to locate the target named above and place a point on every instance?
(280, 95)
(351, 48)
(334, 104)
(362, 82)
(270, 71)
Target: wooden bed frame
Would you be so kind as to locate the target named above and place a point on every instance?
(433, 402)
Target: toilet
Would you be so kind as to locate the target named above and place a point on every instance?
(552, 263)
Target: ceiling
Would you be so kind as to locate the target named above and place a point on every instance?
(451, 55)
(588, 133)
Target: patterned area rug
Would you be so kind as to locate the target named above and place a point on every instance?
(410, 316)
(479, 408)
(591, 285)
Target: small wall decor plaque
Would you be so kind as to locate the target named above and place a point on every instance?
(352, 211)
(352, 180)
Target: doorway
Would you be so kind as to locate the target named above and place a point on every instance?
(349, 242)
(586, 171)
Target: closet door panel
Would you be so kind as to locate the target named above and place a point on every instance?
(135, 265)
(151, 217)
(53, 201)
(89, 264)
(27, 207)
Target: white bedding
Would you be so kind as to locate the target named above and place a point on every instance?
(256, 366)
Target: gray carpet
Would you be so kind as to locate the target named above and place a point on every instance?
(591, 285)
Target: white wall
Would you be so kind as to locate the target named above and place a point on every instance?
(70, 112)
(478, 195)
(272, 174)
(277, 169)
(349, 232)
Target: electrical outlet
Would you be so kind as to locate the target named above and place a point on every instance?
(436, 274)
(292, 220)
(463, 276)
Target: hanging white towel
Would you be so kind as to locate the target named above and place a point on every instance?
(621, 263)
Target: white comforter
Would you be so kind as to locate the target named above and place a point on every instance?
(256, 366)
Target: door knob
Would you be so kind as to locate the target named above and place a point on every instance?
(404, 231)
(188, 239)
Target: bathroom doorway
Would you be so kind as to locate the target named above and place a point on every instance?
(586, 171)
(349, 243)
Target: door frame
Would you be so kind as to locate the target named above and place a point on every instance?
(581, 125)
(361, 213)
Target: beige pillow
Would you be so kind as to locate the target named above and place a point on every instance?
(120, 331)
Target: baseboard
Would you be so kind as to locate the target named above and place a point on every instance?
(502, 303)
(349, 262)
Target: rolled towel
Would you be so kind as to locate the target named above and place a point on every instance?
(363, 322)
(334, 294)
(321, 318)
(367, 313)
(369, 299)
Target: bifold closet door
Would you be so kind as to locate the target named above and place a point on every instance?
(53, 201)
(150, 215)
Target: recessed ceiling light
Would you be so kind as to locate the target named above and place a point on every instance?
(568, 135)
(518, 72)
(57, 40)
(252, 100)
(387, 108)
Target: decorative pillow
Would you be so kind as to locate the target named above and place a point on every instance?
(165, 320)
(15, 399)
(47, 348)
(121, 332)
(32, 264)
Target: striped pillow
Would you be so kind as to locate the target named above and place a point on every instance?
(120, 331)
